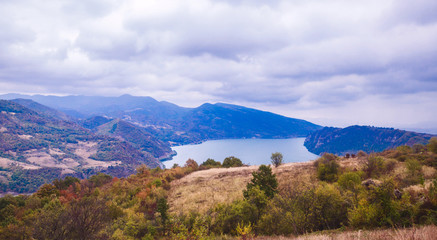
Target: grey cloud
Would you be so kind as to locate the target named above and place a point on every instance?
(307, 55)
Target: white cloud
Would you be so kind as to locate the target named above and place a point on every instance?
(301, 58)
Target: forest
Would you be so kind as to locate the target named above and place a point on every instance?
(396, 188)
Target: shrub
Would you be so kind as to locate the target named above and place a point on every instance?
(350, 181)
(419, 148)
(210, 163)
(232, 162)
(414, 170)
(100, 179)
(361, 153)
(374, 166)
(327, 168)
(304, 209)
(191, 164)
(432, 145)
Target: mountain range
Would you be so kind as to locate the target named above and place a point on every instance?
(175, 124)
(79, 136)
(47, 137)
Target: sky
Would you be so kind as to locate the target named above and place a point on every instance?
(331, 62)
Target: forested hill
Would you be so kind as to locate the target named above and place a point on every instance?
(176, 124)
(355, 138)
(36, 147)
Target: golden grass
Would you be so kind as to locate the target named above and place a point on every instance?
(202, 190)
(416, 233)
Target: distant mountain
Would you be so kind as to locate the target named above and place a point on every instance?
(218, 121)
(40, 142)
(179, 125)
(354, 138)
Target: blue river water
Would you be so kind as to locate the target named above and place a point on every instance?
(250, 151)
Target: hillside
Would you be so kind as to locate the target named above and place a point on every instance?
(137, 136)
(36, 147)
(387, 195)
(355, 138)
(179, 125)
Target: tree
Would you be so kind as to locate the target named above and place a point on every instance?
(432, 145)
(265, 180)
(191, 164)
(232, 162)
(210, 163)
(162, 207)
(276, 159)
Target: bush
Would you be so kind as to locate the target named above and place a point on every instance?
(232, 162)
(327, 168)
(210, 163)
(100, 179)
(191, 164)
(432, 145)
(374, 166)
(304, 209)
(349, 181)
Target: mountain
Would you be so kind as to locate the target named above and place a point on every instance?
(137, 136)
(218, 121)
(179, 125)
(36, 146)
(355, 138)
(44, 110)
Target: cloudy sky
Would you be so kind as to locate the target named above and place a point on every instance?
(333, 62)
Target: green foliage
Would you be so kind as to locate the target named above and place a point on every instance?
(327, 168)
(276, 159)
(432, 145)
(47, 190)
(232, 162)
(244, 231)
(265, 180)
(304, 209)
(374, 166)
(100, 179)
(350, 181)
(29, 180)
(414, 171)
(63, 184)
(228, 216)
(162, 208)
(210, 163)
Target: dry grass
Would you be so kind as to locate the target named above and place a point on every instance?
(202, 190)
(416, 233)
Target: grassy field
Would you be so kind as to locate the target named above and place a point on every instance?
(202, 190)
(415, 233)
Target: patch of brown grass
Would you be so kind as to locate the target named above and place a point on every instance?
(202, 190)
(416, 233)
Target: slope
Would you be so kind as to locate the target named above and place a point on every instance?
(38, 144)
(354, 138)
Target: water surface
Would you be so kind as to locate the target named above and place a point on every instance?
(250, 151)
